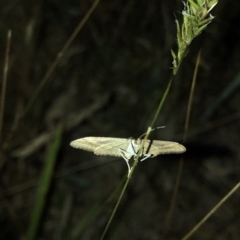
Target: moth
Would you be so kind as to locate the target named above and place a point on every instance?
(127, 148)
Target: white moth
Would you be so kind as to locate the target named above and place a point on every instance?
(127, 148)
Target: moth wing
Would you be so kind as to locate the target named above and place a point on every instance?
(89, 143)
(157, 147)
(112, 147)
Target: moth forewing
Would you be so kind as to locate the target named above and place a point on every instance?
(155, 147)
(167, 147)
(110, 147)
(150, 149)
(87, 143)
(98, 145)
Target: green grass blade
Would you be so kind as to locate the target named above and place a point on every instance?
(45, 180)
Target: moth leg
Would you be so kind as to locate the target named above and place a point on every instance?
(122, 153)
(145, 156)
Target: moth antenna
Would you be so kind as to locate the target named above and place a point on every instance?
(152, 130)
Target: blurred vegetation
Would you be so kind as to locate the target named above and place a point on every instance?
(108, 83)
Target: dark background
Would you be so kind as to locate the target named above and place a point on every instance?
(109, 83)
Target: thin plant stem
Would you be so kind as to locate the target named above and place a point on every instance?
(118, 201)
(161, 102)
(175, 70)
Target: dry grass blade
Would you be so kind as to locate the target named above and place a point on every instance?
(212, 212)
(5, 72)
(61, 54)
